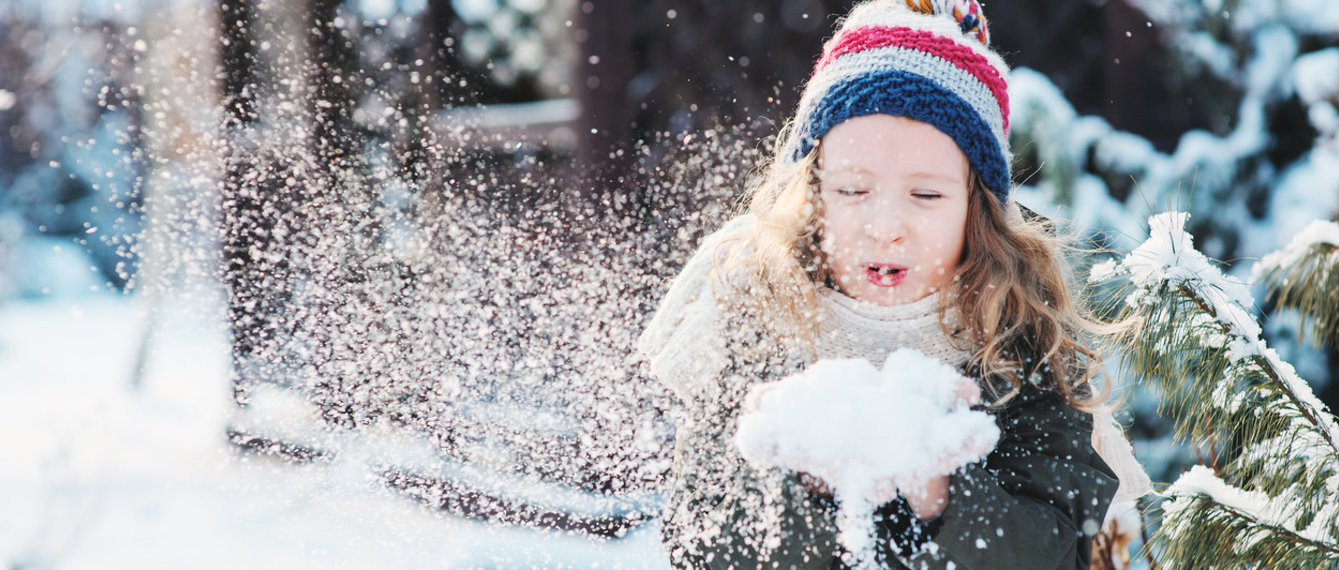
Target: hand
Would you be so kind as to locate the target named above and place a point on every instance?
(966, 391)
(753, 399)
(927, 498)
(881, 494)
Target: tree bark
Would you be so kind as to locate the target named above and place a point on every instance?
(604, 69)
(237, 58)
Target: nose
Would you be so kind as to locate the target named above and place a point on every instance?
(886, 223)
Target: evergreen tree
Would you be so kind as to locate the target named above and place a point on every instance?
(1264, 155)
(1271, 498)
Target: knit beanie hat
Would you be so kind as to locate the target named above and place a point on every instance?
(927, 60)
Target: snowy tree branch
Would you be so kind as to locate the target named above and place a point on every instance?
(1305, 276)
(1214, 520)
(1270, 365)
(1169, 262)
(1203, 348)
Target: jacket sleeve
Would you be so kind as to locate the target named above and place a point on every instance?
(1035, 502)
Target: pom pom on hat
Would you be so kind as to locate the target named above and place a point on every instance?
(966, 12)
(927, 60)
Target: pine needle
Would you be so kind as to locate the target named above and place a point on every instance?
(1201, 347)
(1305, 276)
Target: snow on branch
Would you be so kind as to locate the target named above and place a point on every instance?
(1207, 521)
(1321, 233)
(1166, 273)
(1201, 346)
(1305, 276)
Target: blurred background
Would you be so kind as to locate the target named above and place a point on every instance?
(355, 282)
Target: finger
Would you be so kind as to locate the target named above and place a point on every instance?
(950, 463)
(973, 450)
(980, 444)
(966, 391)
(751, 401)
(908, 484)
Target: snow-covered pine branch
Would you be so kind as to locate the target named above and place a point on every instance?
(1207, 523)
(1305, 276)
(1201, 346)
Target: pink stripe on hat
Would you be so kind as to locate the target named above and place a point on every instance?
(873, 37)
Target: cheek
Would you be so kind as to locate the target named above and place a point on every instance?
(949, 242)
(940, 235)
(836, 231)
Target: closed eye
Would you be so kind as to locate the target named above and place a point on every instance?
(852, 191)
(927, 195)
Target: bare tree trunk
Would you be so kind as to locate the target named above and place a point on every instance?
(604, 68)
(453, 83)
(267, 175)
(237, 58)
(240, 85)
(333, 96)
(1131, 101)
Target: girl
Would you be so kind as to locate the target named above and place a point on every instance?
(885, 222)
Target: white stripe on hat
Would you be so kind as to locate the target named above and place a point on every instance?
(897, 58)
(894, 14)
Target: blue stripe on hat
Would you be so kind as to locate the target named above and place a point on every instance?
(903, 94)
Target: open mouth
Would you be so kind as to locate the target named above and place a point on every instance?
(885, 274)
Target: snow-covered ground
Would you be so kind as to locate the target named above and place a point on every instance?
(95, 473)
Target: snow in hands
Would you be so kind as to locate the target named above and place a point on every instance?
(866, 432)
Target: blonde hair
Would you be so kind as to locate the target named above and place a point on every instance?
(777, 266)
(1012, 302)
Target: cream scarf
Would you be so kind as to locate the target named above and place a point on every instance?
(849, 328)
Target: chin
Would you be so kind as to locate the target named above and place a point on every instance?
(899, 296)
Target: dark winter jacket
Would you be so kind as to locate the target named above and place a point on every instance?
(1035, 502)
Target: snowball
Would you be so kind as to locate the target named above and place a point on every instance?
(863, 430)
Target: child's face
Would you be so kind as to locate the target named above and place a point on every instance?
(894, 193)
